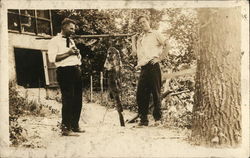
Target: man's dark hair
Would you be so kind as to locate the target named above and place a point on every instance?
(143, 16)
(67, 21)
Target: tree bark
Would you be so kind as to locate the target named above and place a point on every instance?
(217, 108)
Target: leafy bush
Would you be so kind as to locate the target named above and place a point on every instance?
(16, 104)
(16, 131)
(20, 106)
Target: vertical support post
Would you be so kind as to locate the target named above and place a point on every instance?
(19, 20)
(47, 92)
(36, 25)
(45, 67)
(51, 26)
(91, 88)
(101, 82)
(39, 91)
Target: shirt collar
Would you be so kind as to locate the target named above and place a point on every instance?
(61, 35)
(150, 31)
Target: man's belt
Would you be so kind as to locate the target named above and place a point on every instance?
(149, 65)
(69, 67)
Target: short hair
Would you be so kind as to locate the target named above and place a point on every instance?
(142, 16)
(68, 21)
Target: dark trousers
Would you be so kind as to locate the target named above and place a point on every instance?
(149, 83)
(70, 82)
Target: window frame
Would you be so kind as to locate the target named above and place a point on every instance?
(35, 17)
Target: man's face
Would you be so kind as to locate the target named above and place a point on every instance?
(144, 23)
(69, 29)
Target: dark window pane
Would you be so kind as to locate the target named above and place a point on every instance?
(13, 11)
(43, 14)
(28, 24)
(28, 12)
(13, 22)
(43, 27)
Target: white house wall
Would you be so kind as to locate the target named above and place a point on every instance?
(17, 40)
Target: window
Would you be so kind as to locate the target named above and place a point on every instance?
(43, 14)
(43, 22)
(28, 21)
(13, 20)
(37, 22)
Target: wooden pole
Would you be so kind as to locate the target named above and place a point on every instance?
(101, 82)
(39, 93)
(91, 88)
(179, 73)
(47, 92)
(94, 36)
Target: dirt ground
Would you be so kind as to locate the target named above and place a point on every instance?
(105, 138)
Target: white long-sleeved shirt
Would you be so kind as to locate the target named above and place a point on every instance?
(57, 45)
(149, 46)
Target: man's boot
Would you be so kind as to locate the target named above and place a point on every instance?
(143, 121)
(66, 131)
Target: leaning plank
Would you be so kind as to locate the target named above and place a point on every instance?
(171, 93)
(179, 73)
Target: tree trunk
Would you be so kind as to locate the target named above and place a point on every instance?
(217, 109)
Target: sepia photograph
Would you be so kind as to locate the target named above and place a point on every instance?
(124, 79)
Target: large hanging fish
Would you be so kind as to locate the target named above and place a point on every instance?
(113, 65)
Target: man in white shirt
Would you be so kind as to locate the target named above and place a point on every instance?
(150, 48)
(63, 52)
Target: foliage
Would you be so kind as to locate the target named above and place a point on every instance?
(15, 111)
(16, 131)
(182, 34)
(178, 25)
(178, 108)
(20, 106)
(181, 31)
(109, 21)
